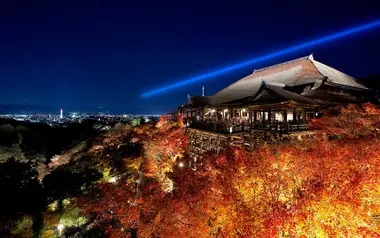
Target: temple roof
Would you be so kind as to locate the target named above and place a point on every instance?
(197, 101)
(297, 72)
(269, 94)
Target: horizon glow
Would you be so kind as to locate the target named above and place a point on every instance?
(262, 58)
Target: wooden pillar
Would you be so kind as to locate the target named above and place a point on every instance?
(285, 116)
(217, 144)
(250, 119)
(294, 116)
(270, 117)
(304, 116)
(201, 142)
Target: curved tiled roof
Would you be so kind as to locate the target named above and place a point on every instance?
(337, 77)
(269, 93)
(300, 71)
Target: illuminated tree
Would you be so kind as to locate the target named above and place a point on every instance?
(326, 185)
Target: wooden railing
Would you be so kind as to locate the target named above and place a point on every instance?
(282, 127)
(226, 127)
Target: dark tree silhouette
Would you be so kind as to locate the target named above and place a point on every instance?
(19, 189)
(9, 136)
(71, 180)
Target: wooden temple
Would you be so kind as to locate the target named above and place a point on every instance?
(280, 98)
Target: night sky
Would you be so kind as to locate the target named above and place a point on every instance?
(103, 54)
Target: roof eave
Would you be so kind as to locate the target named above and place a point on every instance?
(332, 83)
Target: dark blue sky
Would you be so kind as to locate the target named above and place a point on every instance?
(106, 53)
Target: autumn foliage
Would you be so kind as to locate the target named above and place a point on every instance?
(327, 185)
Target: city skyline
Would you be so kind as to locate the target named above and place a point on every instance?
(102, 56)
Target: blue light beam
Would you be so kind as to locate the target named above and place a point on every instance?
(282, 52)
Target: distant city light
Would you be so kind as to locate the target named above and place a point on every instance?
(263, 58)
(75, 117)
(181, 164)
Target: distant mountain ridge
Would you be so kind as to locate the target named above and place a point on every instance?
(27, 109)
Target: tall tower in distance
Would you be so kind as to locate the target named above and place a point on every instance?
(61, 115)
(203, 91)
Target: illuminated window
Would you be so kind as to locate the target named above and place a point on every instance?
(278, 116)
(290, 116)
(258, 116)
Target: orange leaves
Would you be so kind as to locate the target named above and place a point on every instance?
(311, 188)
(161, 154)
(180, 121)
(352, 121)
(144, 129)
(221, 160)
(276, 188)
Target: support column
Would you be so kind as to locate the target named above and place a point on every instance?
(304, 116)
(250, 119)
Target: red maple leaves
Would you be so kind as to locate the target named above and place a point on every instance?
(326, 185)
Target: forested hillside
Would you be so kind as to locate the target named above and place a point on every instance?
(137, 182)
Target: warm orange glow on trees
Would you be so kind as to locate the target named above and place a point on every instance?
(161, 155)
(324, 186)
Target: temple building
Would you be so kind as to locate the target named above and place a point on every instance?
(282, 98)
